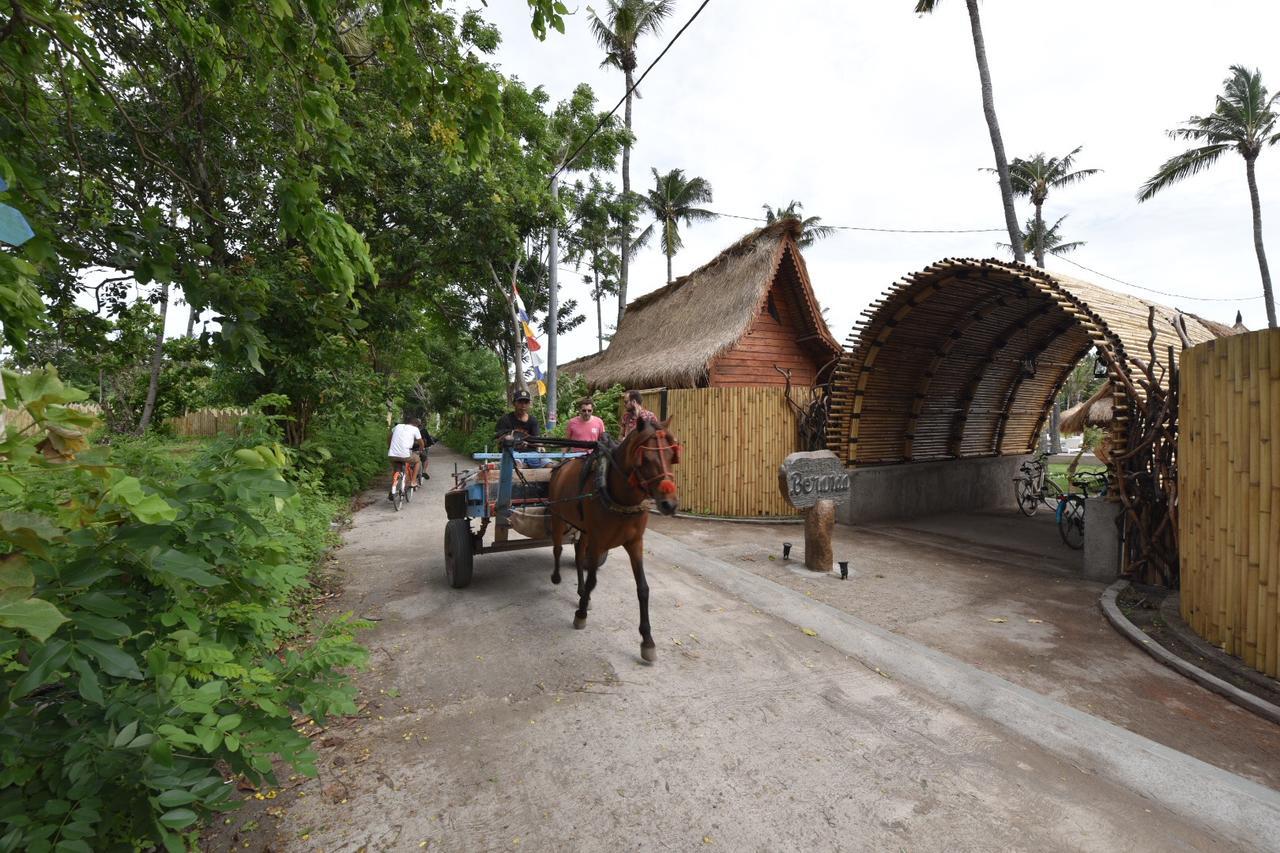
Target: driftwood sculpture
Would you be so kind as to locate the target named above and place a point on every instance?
(811, 416)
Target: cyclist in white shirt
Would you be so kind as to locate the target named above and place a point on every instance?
(404, 439)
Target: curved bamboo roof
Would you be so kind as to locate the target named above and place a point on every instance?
(964, 358)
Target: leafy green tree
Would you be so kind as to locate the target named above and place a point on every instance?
(1051, 241)
(597, 217)
(925, 7)
(1033, 178)
(670, 202)
(811, 227)
(618, 32)
(1243, 120)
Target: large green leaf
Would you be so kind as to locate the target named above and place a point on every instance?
(37, 617)
(113, 659)
(187, 567)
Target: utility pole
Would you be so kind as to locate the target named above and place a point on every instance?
(553, 303)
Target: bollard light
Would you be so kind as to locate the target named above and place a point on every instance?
(844, 570)
(786, 550)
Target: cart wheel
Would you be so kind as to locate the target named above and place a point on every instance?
(458, 555)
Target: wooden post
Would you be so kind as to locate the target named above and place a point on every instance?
(819, 520)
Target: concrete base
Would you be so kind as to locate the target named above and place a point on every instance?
(888, 492)
(1101, 540)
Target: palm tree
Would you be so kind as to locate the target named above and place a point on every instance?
(598, 213)
(811, 230)
(1243, 119)
(1051, 242)
(925, 7)
(670, 202)
(1034, 178)
(623, 25)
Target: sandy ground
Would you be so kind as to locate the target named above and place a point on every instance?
(493, 725)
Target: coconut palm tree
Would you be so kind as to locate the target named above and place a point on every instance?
(811, 229)
(670, 202)
(1051, 242)
(925, 7)
(1034, 177)
(624, 23)
(1243, 120)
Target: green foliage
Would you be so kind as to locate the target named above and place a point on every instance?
(1092, 437)
(346, 456)
(146, 633)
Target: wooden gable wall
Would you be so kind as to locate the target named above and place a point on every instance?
(770, 341)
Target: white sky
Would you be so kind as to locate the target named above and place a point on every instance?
(871, 115)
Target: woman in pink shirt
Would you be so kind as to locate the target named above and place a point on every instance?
(586, 426)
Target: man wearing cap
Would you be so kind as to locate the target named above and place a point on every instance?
(519, 424)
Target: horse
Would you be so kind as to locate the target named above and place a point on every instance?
(602, 495)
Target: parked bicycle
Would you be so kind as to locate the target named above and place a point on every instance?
(1033, 486)
(1071, 506)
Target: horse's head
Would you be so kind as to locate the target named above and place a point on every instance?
(651, 453)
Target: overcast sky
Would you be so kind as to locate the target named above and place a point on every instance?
(871, 115)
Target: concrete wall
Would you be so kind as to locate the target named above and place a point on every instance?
(888, 492)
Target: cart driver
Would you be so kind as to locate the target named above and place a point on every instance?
(519, 424)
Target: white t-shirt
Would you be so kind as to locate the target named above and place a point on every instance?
(402, 440)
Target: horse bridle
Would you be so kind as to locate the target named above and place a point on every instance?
(657, 443)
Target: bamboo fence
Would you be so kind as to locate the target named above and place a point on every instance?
(1229, 510)
(20, 420)
(206, 422)
(734, 439)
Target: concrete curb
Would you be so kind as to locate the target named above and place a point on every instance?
(1131, 632)
(1240, 810)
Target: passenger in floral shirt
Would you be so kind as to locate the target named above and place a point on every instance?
(635, 413)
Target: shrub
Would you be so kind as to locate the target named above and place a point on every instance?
(146, 637)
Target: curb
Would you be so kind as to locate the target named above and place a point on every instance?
(1239, 809)
(1248, 701)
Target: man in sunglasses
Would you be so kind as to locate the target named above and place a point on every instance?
(586, 426)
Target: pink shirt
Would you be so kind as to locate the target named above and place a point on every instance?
(590, 430)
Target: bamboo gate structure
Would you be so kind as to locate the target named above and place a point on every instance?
(734, 439)
(206, 422)
(963, 360)
(1229, 508)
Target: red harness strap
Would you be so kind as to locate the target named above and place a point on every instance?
(667, 480)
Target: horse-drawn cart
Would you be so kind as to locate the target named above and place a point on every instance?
(500, 494)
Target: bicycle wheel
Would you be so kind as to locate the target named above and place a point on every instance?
(397, 489)
(1028, 500)
(1052, 494)
(1071, 521)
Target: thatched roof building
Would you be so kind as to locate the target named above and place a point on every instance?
(729, 322)
(1097, 411)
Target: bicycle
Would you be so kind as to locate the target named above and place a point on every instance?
(1033, 486)
(1071, 507)
(404, 481)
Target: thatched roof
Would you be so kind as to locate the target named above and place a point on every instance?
(580, 364)
(1097, 411)
(963, 358)
(670, 336)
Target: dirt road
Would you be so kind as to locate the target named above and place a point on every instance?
(493, 725)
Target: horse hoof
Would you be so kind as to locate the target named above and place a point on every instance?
(649, 653)
(555, 577)
(579, 622)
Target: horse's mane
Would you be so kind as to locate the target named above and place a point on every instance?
(621, 453)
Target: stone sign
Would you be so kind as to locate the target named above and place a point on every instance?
(808, 477)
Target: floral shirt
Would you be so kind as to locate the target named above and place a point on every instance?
(630, 421)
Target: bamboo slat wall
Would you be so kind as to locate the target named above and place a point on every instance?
(1229, 495)
(206, 422)
(734, 440)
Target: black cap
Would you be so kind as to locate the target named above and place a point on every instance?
(521, 397)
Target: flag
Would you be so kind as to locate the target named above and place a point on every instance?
(542, 388)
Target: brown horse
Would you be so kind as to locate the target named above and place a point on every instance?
(603, 496)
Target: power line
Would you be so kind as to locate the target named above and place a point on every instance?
(627, 94)
(881, 230)
(1159, 292)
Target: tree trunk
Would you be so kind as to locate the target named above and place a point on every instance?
(626, 207)
(157, 361)
(669, 256)
(1269, 298)
(1055, 425)
(1039, 226)
(191, 321)
(599, 318)
(518, 348)
(997, 144)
